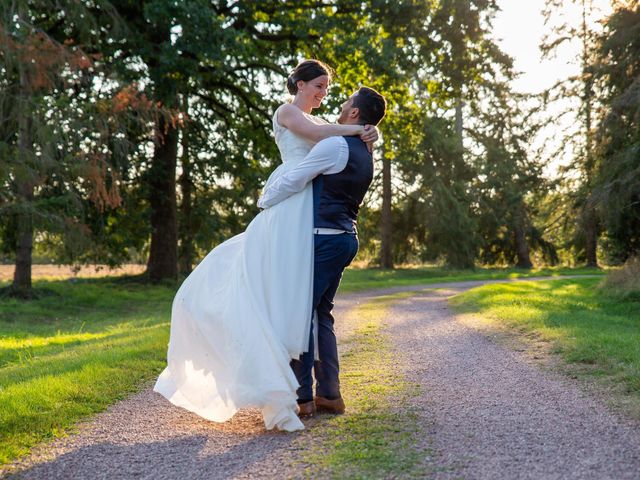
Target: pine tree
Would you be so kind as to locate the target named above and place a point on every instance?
(48, 164)
(578, 88)
(617, 172)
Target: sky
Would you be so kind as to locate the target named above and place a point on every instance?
(519, 28)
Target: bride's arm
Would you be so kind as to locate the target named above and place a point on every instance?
(291, 117)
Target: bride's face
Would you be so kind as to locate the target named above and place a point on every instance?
(313, 91)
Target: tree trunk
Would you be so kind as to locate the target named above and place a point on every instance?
(458, 162)
(590, 227)
(460, 250)
(459, 125)
(589, 215)
(22, 286)
(163, 254)
(587, 100)
(386, 227)
(520, 234)
(186, 252)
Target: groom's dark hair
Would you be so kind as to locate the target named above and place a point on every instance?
(371, 104)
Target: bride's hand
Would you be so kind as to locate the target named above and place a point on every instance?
(370, 136)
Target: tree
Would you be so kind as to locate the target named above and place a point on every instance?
(578, 88)
(364, 45)
(51, 162)
(381, 52)
(617, 171)
(458, 60)
(179, 46)
(509, 177)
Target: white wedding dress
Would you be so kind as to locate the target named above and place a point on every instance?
(245, 311)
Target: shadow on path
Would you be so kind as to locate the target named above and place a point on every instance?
(146, 437)
(180, 458)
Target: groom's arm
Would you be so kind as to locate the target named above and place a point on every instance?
(326, 157)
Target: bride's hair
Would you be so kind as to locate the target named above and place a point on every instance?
(306, 71)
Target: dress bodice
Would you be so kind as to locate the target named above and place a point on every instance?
(293, 148)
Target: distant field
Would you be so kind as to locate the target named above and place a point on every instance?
(65, 271)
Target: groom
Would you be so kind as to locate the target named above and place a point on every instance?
(342, 170)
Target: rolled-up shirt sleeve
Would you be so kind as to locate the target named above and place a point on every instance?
(328, 156)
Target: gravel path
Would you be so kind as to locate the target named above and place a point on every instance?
(485, 412)
(489, 413)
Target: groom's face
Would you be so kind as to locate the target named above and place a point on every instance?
(349, 113)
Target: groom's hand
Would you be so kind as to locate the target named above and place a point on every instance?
(370, 136)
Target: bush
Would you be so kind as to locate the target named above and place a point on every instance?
(625, 281)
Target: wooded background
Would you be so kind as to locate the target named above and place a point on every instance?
(141, 130)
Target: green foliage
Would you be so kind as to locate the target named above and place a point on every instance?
(617, 189)
(65, 128)
(576, 100)
(470, 174)
(509, 180)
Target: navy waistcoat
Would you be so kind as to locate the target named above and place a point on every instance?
(337, 197)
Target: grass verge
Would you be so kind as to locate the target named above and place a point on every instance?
(72, 352)
(373, 439)
(372, 278)
(595, 333)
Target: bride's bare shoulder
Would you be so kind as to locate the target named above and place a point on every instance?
(288, 106)
(289, 109)
(288, 114)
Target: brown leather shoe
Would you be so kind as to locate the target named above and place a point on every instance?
(323, 404)
(306, 409)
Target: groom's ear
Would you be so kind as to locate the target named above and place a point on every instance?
(354, 113)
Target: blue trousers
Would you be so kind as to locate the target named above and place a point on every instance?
(333, 253)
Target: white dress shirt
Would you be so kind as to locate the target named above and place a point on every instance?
(327, 157)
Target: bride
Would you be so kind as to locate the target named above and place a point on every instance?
(245, 310)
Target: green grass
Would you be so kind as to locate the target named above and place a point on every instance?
(588, 326)
(77, 349)
(372, 439)
(370, 278)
